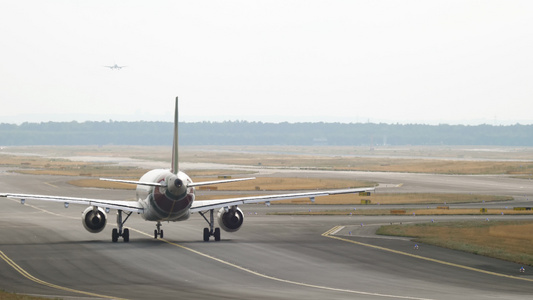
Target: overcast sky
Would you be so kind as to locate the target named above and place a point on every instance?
(430, 62)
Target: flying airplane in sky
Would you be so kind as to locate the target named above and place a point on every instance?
(169, 195)
(115, 67)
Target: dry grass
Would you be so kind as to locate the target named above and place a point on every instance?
(444, 160)
(288, 183)
(12, 296)
(407, 212)
(382, 164)
(108, 172)
(36, 165)
(43, 165)
(96, 183)
(469, 211)
(34, 162)
(216, 173)
(508, 240)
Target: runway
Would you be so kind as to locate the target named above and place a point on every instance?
(45, 251)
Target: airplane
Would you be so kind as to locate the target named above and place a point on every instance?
(115, 67)
(169, 195)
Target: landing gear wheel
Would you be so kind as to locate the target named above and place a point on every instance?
(211, 231)
(120, 232)
(114, 235)
(126, 235)
(217, 234)
(158, 231)
(207, 234)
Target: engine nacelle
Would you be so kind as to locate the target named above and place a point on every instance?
(94, 220)
(230, 219)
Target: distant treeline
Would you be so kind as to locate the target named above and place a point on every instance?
(258, 133)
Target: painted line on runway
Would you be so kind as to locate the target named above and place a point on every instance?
(338, 228)
(27, 275)
(39, 281)
(54, 186)
(329, 235)
(279, 279)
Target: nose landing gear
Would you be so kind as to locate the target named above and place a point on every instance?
(158, 231)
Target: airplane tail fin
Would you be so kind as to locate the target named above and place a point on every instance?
(175, 164)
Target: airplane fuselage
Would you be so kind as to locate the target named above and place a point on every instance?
(165, 203)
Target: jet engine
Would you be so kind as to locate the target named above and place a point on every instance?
(230, 219)
(94, 219)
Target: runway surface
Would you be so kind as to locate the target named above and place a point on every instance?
(46, 251)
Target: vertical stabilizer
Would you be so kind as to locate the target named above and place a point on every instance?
(175, 164)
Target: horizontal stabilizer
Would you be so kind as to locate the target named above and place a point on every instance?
(218, 181)
(192, 184)
(133, 182)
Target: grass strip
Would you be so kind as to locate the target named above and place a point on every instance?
(12, 296)
(406, 212)
(506, 240)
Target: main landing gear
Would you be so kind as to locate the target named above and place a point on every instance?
(158, 231)
(211, 231)
(120, 232)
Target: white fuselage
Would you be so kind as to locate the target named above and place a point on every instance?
(159, 203)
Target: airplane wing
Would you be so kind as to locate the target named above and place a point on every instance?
(197, 206)
(212, 204)
(133, 206)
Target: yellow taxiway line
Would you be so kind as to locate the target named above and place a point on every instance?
(27, 275)
(279, 279)
(52, 185)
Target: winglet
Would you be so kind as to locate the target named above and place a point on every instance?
(175, 164)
